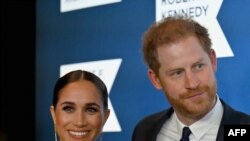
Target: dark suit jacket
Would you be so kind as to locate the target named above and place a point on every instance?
(148, 128)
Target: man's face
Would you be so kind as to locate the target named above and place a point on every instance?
(187, 77)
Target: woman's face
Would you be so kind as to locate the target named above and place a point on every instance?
(79, 114)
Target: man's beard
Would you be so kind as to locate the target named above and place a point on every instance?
(195, 108)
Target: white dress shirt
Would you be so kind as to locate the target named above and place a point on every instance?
(205, 129)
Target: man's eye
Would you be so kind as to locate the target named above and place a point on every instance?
(176, 74)
(199, 66)
(68, 109)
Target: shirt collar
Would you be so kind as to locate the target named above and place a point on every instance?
(201, 127)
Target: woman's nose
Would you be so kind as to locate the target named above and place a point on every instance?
(80, 119)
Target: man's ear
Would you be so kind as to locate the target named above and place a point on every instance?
(154, 79)
(213, 60)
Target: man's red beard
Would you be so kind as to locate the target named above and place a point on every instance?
(195, 108)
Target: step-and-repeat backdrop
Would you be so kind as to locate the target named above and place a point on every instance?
(104, 37)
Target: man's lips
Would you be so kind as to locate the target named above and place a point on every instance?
(195, 95)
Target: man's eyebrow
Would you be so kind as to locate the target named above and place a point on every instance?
(199, 61)
(179, 68)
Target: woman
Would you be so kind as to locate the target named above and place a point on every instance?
(80, 107)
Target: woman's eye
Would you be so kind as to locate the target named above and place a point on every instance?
(68, 109)
(91, 110)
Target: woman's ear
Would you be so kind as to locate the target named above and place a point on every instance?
(154, 79)
(106, 115)
(53, 114)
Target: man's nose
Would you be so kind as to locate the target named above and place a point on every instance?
(191, 80)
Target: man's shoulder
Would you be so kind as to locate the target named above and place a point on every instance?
(234, 116)
(155, 117)
(148, 127)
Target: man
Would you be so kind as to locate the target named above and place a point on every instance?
(182, 64)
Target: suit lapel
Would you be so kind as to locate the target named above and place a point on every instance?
(159, 121)
(226, 119)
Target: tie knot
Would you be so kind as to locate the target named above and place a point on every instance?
(185, 134)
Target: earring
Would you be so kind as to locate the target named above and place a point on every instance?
(55, 135)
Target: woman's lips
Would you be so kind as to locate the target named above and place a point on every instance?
(78, 134)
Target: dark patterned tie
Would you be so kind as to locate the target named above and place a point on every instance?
(185, 134)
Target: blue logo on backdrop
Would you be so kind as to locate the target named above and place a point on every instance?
(70, 5)
(205, 12)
